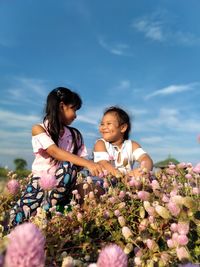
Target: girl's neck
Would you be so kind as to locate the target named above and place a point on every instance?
(118, 143)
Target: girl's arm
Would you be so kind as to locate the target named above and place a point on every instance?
(145, 161)
(61, 155)
(100, 147)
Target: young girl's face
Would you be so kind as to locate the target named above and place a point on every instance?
(68, 113)
(110, 128)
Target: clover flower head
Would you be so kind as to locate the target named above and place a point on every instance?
(183, 240)
(112, 256)
(151, 244)
(126, 232)
(67, 262)
(173, 227)
(196, 169)
(173, 208)
(13, 186)
(182, 253)
(162, 211)
(183, 228)
(196, 190)
(121, 221)
(89, 179)
(25, 247)
(188, 176)
(122, 194)
(117, 213)
(182, 165)
(143, 195)
(47, 181)
(155, 185)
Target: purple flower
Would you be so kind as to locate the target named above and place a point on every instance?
(183, 228)
(47, 181)
(112, 256)
(143, 195)
(182, 240)
(173, 208)
(13, 186)
(188, 265)
(197, 168)
(25, 247)
(1, 260)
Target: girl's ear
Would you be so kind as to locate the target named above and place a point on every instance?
(124, 128)
(61, 106)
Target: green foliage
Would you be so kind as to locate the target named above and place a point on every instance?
(3, 172)
(166, 162)
(20, 164)
(23, 173)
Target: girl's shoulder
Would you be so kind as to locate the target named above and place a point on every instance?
(38, 129)
(134, 144)
(100, 143)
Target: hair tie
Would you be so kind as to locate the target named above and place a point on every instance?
(59, 94)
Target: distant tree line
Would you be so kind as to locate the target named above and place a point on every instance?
(20, 168)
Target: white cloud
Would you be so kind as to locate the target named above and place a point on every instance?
(12, 119)
(172, 120)
(119, 49)
(151, 139)
(24, 91)
(87, 119)
(172, 89)
(123, 85)
(151, 29)
(155, 27)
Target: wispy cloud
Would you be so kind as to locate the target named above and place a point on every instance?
(172, 89)
(86, 119)
(172, 120)
(152, 139)
(119, 49)
(151, 29)
(24, 91)
(157, 28)
(123, 85)
(13, 119)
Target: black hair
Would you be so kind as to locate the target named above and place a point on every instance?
(52, 114)
(123, 118)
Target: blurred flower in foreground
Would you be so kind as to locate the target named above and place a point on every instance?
(47, 181)
(1, 260)
(25, 247)
(13, 186)
(188, 265)
(112, 256)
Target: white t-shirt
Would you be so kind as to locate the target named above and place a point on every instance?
(121, 158)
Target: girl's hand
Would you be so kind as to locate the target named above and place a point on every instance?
(94, 168)
(113, 171)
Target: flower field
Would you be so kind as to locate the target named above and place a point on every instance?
(151, 220)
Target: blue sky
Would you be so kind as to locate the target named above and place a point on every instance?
(141, 55)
